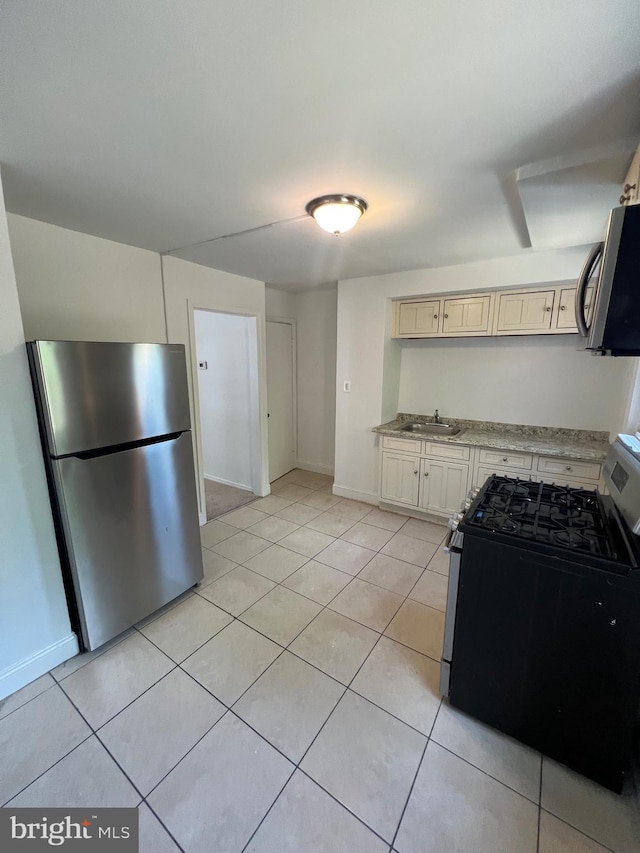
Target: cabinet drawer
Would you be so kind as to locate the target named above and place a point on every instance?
(447, 451)
(569, 468)
(506, 459)
(404, 445)
(483, 472)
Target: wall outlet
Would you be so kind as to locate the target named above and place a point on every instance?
(347, 386)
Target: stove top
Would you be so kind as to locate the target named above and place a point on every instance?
(561, 516)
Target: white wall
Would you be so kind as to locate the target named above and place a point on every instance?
(374, 363)
(315, 313)
(76, 287)
(35, 634)
(188, 287)
(227, 393)
(535, 380)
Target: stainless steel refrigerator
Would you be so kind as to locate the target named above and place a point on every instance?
(115, 429)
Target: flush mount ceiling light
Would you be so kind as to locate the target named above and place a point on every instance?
(336, 213)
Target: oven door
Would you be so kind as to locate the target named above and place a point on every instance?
(454, 549)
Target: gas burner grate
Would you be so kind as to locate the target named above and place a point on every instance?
(556, 515)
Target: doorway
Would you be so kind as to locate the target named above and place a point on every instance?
(281, 397)
(227, 371)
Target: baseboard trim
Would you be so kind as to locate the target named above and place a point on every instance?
(356, 495)
(224, 482)
(315, 469)
(23, 673)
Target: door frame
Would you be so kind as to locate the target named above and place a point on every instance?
(261, 488)
(290, 321)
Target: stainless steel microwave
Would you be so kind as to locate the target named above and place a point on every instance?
(613, 327)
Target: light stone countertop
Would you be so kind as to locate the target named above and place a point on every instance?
(587, 445)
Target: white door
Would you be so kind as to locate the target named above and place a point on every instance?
(280, 380)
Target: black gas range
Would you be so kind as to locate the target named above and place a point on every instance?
(542, 631)
(579, 524)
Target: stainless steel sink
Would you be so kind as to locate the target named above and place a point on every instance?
(430, 429)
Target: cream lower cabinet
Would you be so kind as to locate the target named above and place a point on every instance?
(400, 481)
(443, 486)
(437, 486)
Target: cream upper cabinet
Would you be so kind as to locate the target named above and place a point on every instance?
(466, 315)
(566, 318)
(631, 187)
(420, 318)
(524, 312)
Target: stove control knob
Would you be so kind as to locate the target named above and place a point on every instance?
(454, 521)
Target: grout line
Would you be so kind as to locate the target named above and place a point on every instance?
(54, 683)
(162, 824)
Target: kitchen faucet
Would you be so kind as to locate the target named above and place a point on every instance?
(436, 417)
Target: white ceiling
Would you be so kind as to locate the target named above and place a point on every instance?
(163, 124)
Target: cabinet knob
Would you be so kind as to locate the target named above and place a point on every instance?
(435, 316)
(563, 307)
(446, 316)
(426, 473)
(505, 459)
(569, 468)
(628, 187)
(548, 308)
(416, 471)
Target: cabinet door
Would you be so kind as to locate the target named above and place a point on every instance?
(443, 486)
(566, 318)
(399, 478)
(466, 315)
(524, 312)
(419, 318)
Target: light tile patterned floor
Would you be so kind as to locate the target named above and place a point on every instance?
(291, 704)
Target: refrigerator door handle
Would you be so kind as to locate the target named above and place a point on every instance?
(585, 275)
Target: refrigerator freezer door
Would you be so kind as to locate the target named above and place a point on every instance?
(95, 395)
(131, 526)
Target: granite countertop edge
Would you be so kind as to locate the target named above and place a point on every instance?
(587, 445)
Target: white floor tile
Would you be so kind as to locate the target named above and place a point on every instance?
(431, 590)
(271, 504)
(419, 627)
(183, 629)
(392, 521)
(86, 777)
(149, 737)
(241, 546)
(109, 683)
(368, 760)
(389, 573)
(410, 550)
(608, 818)
(318, 582)
(331, 524)
(500, 756)
(237, 775)
(34, 737)
(454, 806)
(289, 703)
(273, 528)
(401, 681)
(306, 541)
(335, 644)
(214, 532)
(345, 556)
(244, 517)
(276, 563)
(153, 837)
(305, 819)
(237, 590)
(231, 661)
(281, 615)
(26, 694)
(367, 535)
(558, 837)
(368, 604)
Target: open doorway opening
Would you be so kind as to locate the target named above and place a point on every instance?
(281, 382)
(227, 356)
